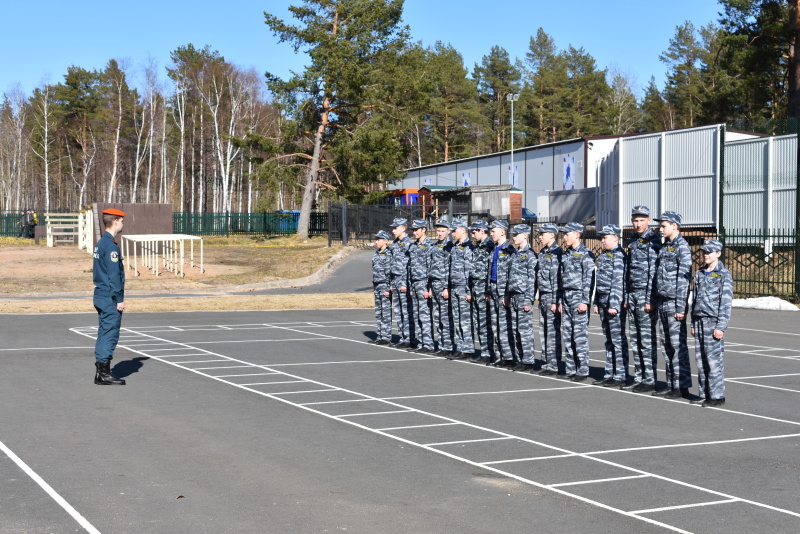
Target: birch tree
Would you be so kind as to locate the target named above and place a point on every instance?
(43, 137)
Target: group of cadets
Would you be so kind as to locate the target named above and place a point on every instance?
(450, 293)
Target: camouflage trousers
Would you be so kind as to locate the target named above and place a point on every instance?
(575, 334)
(444, 319)
(709, 353)
(422, 313)
(549, 332)
(616, 343)
(481, 322)
(463, 340)
(401, 303)
(383, 312)
(523, 348)
(674, 346)
(643, 339)
(501, 321)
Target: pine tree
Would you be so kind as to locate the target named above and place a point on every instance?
(496, 77)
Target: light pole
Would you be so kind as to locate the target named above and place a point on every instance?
(512, 97)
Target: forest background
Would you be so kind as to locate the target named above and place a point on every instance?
(206, 134)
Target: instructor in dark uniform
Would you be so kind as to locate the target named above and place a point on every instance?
(109, 296)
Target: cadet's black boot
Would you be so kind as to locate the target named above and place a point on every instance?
(104, 376)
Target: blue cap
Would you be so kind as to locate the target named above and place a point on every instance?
(442, 222)
(671, 216)
(521, 229)
(479, 224)
(573, 227)
(712, 245)
(548, 227)
(459, 223)
(640, 210)
(399, 222)
(611, 229)
(383, 234)
(419, 223)
(499, 223)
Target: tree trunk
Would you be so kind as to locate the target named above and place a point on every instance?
(794, 59)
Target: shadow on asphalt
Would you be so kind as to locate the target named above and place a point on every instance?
(128, 367)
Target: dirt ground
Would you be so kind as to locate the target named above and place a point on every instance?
(36, 271)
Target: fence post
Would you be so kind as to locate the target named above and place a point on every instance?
(794, 126)
(344, 223)
(450, 209)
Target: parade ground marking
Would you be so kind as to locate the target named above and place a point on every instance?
(388, 417)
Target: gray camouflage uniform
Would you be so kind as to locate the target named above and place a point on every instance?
(711, 309)
(673, 274)
(547, 279)
(522, 292)
(577, 280)
(481, 258)
(460, 265)
(642, 255)
(500, 315)
(439, 276)
(401, 302)
(381, 274)
(419, 266)
(610, 295)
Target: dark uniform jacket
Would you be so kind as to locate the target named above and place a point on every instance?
(713, 295)
(522, 275)
(108, 271)
(381, 269)
(577, 272)
(440, 259)
(547, 272)
(460, 264)
(674, 272)
(611, 279)
(642, 257)
(504, 255)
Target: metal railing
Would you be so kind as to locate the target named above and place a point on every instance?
(273, 223)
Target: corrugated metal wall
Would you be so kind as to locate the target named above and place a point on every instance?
(760, 184)
(675, 171)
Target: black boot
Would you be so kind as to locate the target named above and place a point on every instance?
(103, 377)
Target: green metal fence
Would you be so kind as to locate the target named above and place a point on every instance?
(763, 263)
(9, 223)
(274, 223)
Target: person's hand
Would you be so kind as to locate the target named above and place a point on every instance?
(718, 334)
(612, 312)
(120, 306)
(560, 308)
(692, 331)
(486, 297)
(680, 316)
(469, 298)
(583, 307)
(648, 308)
(625, 305)
(386, 294)
(403, 289)
(446, 294)
(506, 301)
(526, 308)
(596, 310)
(554, 308)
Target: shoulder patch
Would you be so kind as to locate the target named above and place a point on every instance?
(716, 275)
(671, 249)
(114, 256)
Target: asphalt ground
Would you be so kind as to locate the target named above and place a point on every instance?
(289, 421)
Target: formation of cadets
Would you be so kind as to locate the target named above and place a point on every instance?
(455, 292)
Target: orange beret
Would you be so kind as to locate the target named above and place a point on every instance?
(112, 211)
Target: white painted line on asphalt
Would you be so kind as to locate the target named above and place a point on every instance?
(374, 413)
(441, 443)
(333, 402)
(207, 368)
(82, 521)
(245, 374)
(597, 480)
(294, 392)
(515, 460)
(197, 361)
(416, 426)
(736, 381)
(681, 507)
(762, 331)
(502, 392)
(697, 444)
(255, 341)
(762, 376)
(279, 382)
(432, 359)
(49, 348)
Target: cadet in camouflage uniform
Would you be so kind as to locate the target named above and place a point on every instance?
(381, 275)
(549, 285)
(711, 312)
(641, 299)
(439, 276)
(608, 303)
(481, 256)
(401, 303)
(577, 281)
(419, 266)
(458, 291)
(497, 281)
(519, 298)
(673, 274)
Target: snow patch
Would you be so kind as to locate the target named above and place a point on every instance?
(765, 303)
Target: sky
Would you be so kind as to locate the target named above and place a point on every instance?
(41, 40)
